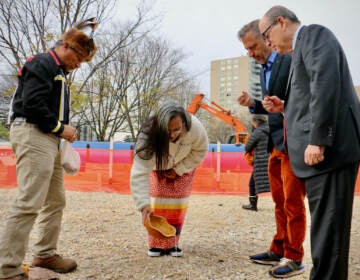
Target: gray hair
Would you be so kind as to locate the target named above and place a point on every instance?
(281, 11)
(259, 119)
(252, 26)
(169, 110)
(153, 138)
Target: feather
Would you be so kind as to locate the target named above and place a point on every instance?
(90, 22)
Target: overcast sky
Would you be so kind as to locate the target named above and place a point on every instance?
(206, 29)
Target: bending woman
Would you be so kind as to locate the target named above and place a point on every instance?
(169, 147)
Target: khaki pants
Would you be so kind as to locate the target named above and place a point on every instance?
(40, 195)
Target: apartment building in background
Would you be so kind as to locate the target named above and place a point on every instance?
(229, 77)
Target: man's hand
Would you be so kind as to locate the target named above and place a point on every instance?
(69, 133)
(273, 104)
(314, 154)
(245, 99)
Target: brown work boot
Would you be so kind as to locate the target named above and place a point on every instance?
(17, 277)
(55, 263)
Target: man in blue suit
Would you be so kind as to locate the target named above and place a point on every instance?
(288, 192)
(322, 113)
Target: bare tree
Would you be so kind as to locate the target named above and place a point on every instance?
(222, 133)
(129, 87)
(130, 75)
(31, 26)
(159, 77)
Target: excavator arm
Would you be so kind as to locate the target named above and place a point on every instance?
(219, 112)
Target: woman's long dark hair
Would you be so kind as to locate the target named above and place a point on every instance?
(153, 137)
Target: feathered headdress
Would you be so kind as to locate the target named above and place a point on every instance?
(88, 23)
(79, 40)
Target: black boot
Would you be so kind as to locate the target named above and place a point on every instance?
(253, 203)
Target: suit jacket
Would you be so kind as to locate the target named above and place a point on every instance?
(321, 105)
(277, 86)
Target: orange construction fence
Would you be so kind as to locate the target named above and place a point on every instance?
(220, 173)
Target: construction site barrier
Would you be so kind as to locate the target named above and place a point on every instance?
(105, 167)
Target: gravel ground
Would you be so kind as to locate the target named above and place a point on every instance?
(103, 232)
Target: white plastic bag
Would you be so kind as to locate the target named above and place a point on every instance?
(70, 159)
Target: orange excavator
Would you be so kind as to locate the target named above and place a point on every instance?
(223, 114)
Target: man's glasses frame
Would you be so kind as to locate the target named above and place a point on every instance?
(267, 30)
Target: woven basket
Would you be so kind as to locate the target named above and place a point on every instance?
(158, 226)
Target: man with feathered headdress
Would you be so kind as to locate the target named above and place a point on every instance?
(39, 120)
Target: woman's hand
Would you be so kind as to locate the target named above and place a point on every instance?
(170, 174)
(145, 211)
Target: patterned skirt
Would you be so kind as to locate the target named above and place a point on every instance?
(170, 199)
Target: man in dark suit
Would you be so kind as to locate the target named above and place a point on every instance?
(288, 191)
(322, 113)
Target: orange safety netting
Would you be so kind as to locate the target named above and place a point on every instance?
(220, 173)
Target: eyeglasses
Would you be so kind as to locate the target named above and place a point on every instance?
(265, 34)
